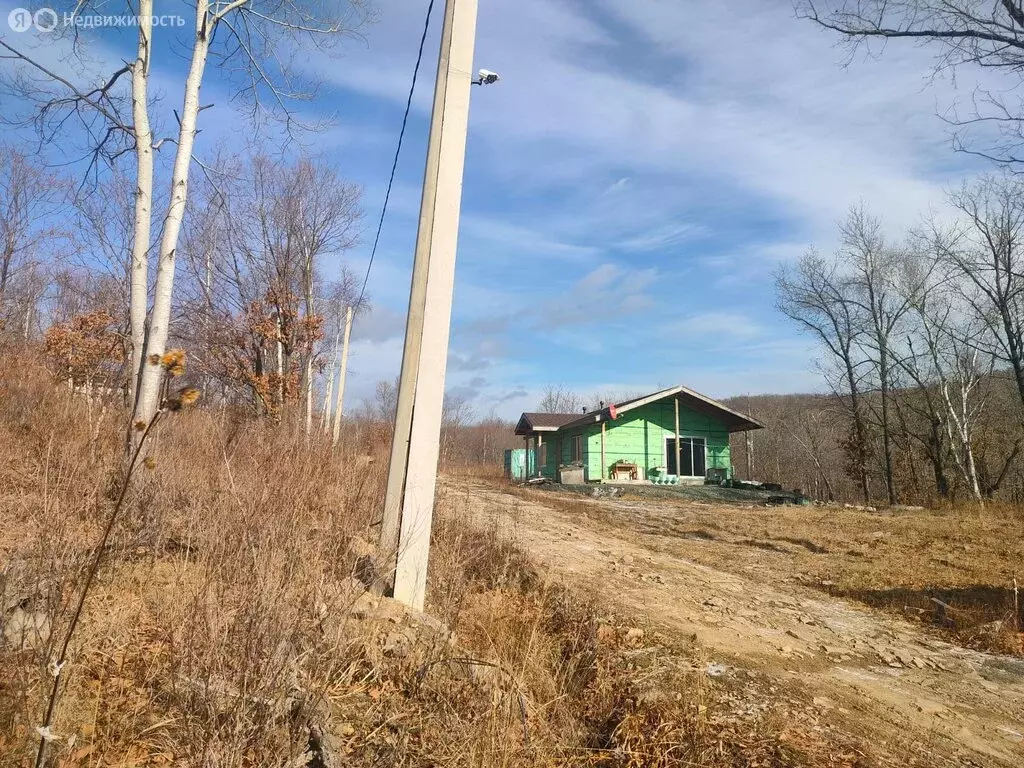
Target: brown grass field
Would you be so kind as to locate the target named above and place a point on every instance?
(901, 560)
(227, 626)
(824, 614)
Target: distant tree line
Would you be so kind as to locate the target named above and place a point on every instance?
(922, 351)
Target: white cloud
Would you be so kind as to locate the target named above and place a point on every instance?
(380, 324)
(608, 293)
(668, 235)
(499, 238)
(715, 326)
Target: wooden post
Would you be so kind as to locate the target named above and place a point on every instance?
(679, 469)
(540, 446)
(748, 440)
(604, 462)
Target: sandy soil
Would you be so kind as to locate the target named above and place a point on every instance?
(896, 688)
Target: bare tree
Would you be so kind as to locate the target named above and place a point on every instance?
(877, 301)
(921, 413)
(560, 399)
(942, 362)
(323, 213)
(256, 248)
(29, 197)
(456, 415)
(815, 294)
(345, 301)
(920, 335)
(810, 431)
(985, 256)
(978, 33)
(249, 39)
(384, 404)
(101, 255)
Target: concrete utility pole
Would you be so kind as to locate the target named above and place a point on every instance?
(412, 475)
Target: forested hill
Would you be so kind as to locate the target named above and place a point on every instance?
(809, 443)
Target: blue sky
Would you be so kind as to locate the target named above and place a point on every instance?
(631, 184)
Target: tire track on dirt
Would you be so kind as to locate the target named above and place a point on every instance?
(883, 679)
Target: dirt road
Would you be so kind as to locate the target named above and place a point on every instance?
(886, 682)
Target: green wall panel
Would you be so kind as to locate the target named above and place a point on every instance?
(638, 436)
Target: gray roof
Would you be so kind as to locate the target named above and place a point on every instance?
(543, 422)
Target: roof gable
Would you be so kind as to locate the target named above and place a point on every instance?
(543, 422)
(734, 421)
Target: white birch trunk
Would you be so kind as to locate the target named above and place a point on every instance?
(325, 410)
(341, 377)
(967, 434)
(148, 398)
(138, 269)
(310, 309)
(309, 395)
(325, 414)
(279, 345)
(960, 418)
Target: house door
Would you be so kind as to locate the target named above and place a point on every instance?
(692, 456)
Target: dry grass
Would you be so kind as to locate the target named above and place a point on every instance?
(226, 628)
(898, 560)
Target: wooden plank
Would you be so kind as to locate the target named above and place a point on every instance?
(679, 470)
(604, 463)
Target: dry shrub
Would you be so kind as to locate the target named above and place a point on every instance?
(226, 628)
(210, 593)
(491, 472)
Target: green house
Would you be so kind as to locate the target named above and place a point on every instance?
(675, 435)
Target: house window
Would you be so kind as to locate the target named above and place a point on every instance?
(692, 456)
(575, 448)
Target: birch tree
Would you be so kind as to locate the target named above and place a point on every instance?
(251, 41)
(138, 270)
(345, 301)
(946, 368)
(985, 254)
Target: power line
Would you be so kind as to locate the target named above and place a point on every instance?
(398, 150)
